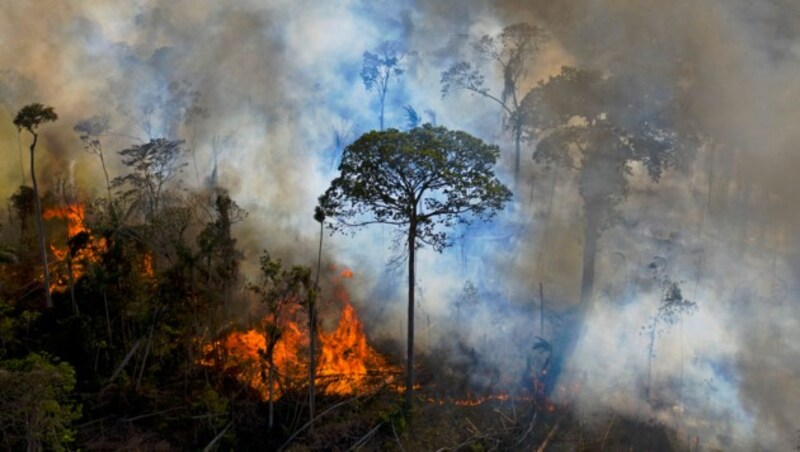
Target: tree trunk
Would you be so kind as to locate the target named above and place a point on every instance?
(105, 173)
(270, 379)
(108, 317)
(568, 338)
(412, 238)
(312, 331)
(40, 223)
(517, 152)
(589, 254)
(71, 277)
(650, 354)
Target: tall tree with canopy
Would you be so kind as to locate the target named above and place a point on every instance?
(30, 117)
(599, 127)
(378, 69)
(425, 181)
(512, 50)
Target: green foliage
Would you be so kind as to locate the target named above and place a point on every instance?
(23, 202)
(14, 327)
(153, 165)
(35, 409)
(31, 116)
(429, 176)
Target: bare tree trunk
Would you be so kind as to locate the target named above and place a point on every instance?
(105, 173)
(650, 349)
(108, 317)
(541, 308)
(412, 238)
(589, 255)
(40, 224)
(21, 157)
(517, 152)
(71, 279)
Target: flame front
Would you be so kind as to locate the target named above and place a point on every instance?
(73, 215)
(346, 358)
(346, 362)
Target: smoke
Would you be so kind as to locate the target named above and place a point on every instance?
(259, 91)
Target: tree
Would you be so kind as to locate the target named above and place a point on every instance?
(30, 117)
(599, 126)
(35, 409)
(378, 68)
(512, 50)
(670, 311)
(595, 126)
(278, 289)
(90, 131)
(319, 217)
(154, 164)
(425, 180)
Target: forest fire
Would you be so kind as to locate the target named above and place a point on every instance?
(81, 246)
(346, 363)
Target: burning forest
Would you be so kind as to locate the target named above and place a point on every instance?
(443, 225)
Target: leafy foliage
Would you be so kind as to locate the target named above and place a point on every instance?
(581, 121)
(153, 165)
(429, 176)
(31, 116)
(378, 69)
(512, 50)
(35, 409)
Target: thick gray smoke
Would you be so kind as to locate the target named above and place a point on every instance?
(261, 89)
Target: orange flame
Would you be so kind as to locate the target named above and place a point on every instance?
(74, 215)
(346, 365)
(346, 357)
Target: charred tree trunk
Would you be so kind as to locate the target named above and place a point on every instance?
(270, 391)
(412, 238)
(40, 224)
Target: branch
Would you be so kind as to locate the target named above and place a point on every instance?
(549, 437)
(490, 96)
(367, 223)
(307, 424)
(365, 438)
(216, 439)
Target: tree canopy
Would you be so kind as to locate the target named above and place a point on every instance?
(31, 116)
(426, 179)
(512, 50)
(429, 176)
